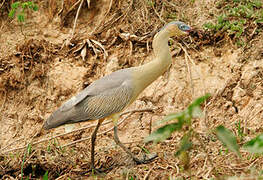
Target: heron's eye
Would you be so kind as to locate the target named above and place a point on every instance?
(184, 27)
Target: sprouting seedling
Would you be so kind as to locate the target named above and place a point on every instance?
(183, 118)
(18, 9)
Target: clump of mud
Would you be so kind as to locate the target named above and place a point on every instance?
(30, 62)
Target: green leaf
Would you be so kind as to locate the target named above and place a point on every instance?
(45, 177)
(30, 3)
(185, 143)
(35, 7)
(199, 100)
(15, 5)
(163, 132)
(21, 18)
(48, 148)
(170, 117)
(184, 117)
(228, 139)
(259, 21)
(145, 149)
(197, 112)
(221, 18)
(29, 149)
(24, 5)
(194, 109)
(11, 13)
(255, 145)
(210, 26)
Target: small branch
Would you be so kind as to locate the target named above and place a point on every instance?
(190, 74)
(127, 112)
(86, 127)
(99, 28)
(2, 4)
(8, 145)
(76, 18)
(103, 19)
(199, 74)
(86, 138)
(159, 16)
(2, 107)
(148, 173)
(62, 7)
(202, 81)
(139, 110)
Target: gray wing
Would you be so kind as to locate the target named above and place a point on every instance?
(106, 83)
(106, 96)
(103, 104)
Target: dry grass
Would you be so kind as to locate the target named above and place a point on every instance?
(40, 76)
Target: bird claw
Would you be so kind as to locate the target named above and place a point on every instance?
(145, 159)
(98, 171)
(101, 170)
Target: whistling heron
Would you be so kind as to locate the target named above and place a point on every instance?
(108, 96)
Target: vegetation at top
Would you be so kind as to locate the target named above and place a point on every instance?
(236, 17)
(18, 8)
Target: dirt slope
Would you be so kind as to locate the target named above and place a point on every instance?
(40, 71)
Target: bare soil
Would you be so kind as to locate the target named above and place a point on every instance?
(42, 69)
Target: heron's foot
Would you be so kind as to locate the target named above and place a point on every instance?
(98, 171)
(146, 159)
(101, 170)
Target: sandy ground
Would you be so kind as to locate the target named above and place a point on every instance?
(40, 71)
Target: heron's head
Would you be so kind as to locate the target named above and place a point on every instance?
(177, 28)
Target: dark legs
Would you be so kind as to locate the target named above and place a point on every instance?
(138, 161)
(117, 141)
(93, 139)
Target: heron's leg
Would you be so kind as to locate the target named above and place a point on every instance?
(117, 141)
(93, 139)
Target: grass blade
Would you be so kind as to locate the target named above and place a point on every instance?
(228, 139)
(255, 145)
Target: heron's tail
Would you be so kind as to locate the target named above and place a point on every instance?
(59, 118)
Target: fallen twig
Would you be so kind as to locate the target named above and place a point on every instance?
(113, 20)
(204, 123)
(101, 21)
(148, 173)
(67, 42)
(159, 16)
(83, 128)
(2, 107)
(2, 4)
(76, 18)
(86, 138)
(190, 72)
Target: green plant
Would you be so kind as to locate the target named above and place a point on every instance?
(144, 149)
(182, 119)
(27, 152)
(19, 9)
(45, 177)
(255, 145)
(240, 131)
(228, 139)
(236, 16)
(223, 134)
